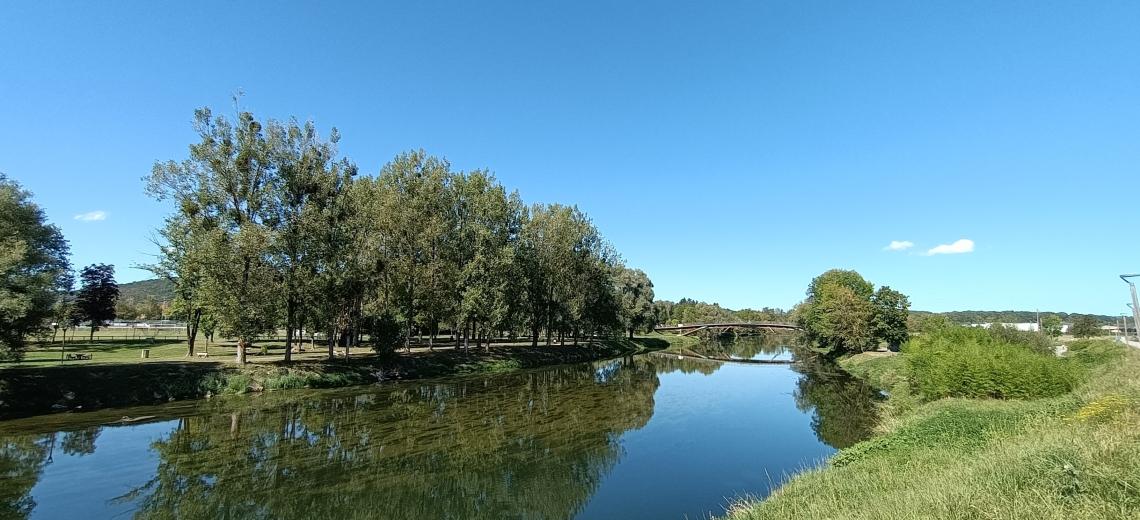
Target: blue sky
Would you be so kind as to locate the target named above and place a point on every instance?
(733, 150)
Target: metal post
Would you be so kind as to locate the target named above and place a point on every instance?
(1130, 306)
(1135, 304)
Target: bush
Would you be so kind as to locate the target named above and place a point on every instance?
(386, 334)
(974, 362)
(1095, 352)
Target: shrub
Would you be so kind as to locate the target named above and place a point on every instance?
(1095, 352)
(386, 334)
(999, 363)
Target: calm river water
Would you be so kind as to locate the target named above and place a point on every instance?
(651, 436)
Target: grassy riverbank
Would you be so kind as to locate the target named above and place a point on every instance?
(119, 378)
(1069, 456)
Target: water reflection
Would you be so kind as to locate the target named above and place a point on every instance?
(538, 444)
(763, 346)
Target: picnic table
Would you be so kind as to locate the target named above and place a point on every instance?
(74, 357)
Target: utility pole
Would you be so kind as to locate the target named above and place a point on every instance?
(1135, 303)
(1130, 306)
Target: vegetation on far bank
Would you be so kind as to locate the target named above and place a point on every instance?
(118, 377)
(1011, 444)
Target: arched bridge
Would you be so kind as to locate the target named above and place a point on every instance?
(723, 328)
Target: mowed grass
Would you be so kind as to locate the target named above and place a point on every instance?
(103, 352)
(1074, 456)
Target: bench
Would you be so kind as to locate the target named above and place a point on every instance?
(73, 357)
(202, 354)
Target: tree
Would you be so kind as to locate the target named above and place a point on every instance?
(180, 262)
(891, 310)
(97, 295)
(224, 191)
(1085, 327)
(844, 313)
(34, 269)
(1051, 325)
(635, 291)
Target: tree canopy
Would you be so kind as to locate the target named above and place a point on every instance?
(843, 313)
(1085, 327)
(34, 268)
(268, 217)
(98, 293)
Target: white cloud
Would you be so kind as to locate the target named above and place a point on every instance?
(963, 245)
(92, 216)
(899, 245)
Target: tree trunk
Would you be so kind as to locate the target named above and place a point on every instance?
(288, 344)
(241, 351)
(631, 333)
(534, 335)
(92, 336)
(192, 331)
(290, 320)
(345, 341)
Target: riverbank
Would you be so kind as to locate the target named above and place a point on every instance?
(1072, 456)
(27, 391)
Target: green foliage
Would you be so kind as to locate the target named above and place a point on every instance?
(146, 299)
(975, 362)
(1085, 327)
(843, 313)
(688, 310)
(636, 298)
(923, 322)
(273, 232)
(98, 292)
(385, 333)
(1095, 352)
(955, 426)
(1073, 456)
(977, 317)
(1051, 325)
(1035, 341)
(852, 280)
(889, 321)
(34, 270)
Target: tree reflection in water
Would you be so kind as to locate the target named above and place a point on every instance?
(534, 444)
(843, 407)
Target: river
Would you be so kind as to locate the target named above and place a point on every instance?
(651, 436)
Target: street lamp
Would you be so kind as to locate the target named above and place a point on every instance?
(1135, 303)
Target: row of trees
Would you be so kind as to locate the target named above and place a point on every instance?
(273, 230)
(688, 310)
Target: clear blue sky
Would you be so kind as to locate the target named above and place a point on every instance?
(733, 150)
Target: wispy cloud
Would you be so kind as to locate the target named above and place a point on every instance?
(92, 216)
(960, 246)
(899, 245)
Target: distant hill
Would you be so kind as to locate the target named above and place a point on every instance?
(156, 289)
(145, 299)
(968, 317)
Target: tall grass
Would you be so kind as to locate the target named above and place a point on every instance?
(1072, 456)
(997, 363)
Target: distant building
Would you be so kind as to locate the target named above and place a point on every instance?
(1025, 327)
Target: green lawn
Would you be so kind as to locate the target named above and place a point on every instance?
(1076, 456)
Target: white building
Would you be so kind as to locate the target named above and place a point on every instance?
(1026, 327)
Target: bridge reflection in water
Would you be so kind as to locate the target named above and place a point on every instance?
(717, 329)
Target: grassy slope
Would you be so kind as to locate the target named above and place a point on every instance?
(117, 377)
(1075, 456)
